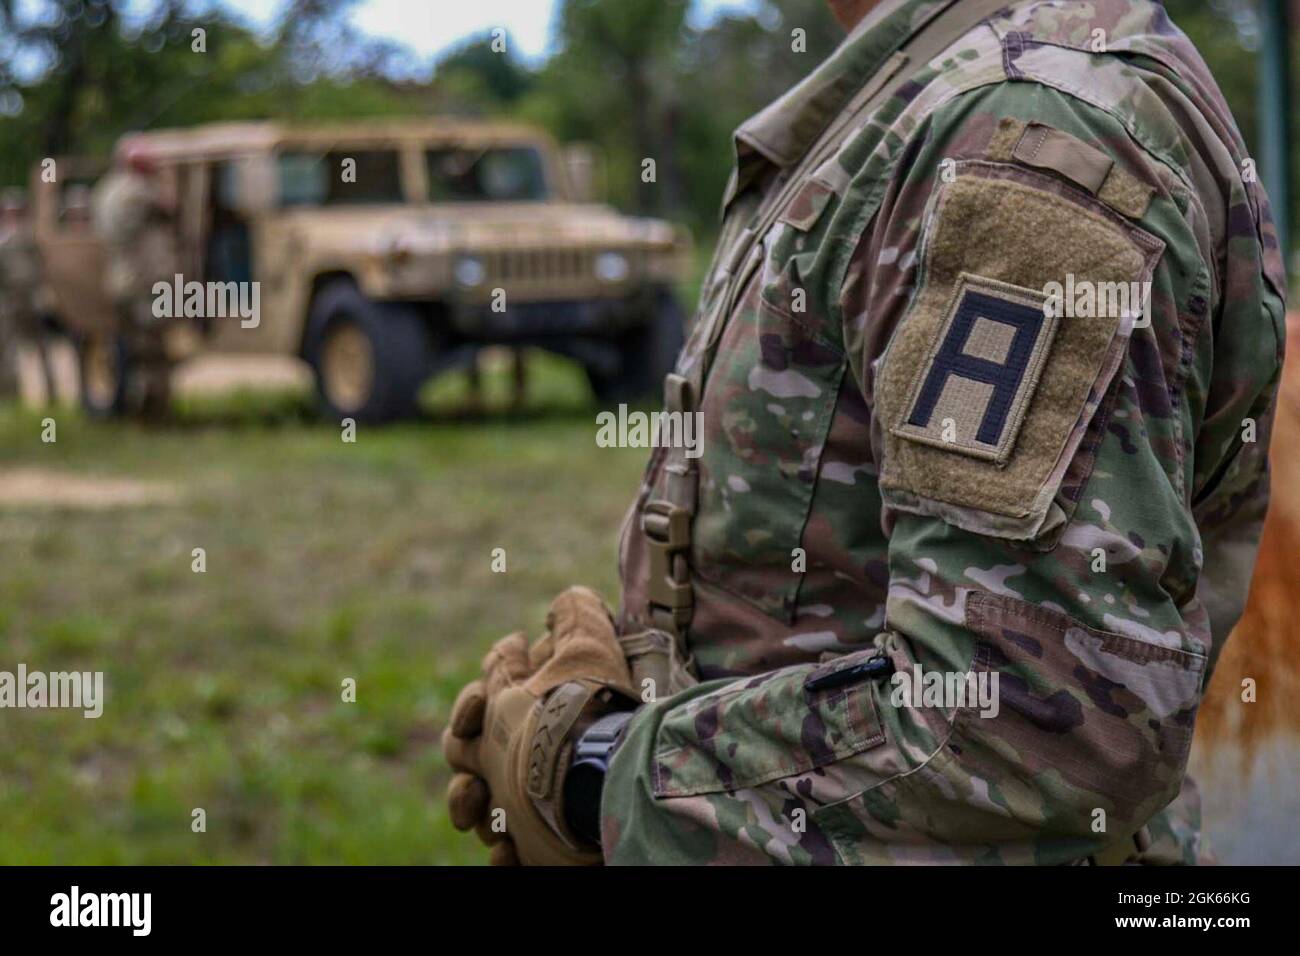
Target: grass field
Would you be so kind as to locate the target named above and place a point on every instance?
(324, 560)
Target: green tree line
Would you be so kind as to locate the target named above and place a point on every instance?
(639, 78)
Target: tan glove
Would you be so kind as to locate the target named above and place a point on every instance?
(511, 733)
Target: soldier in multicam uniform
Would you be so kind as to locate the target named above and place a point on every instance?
(987, 363)
(134, 222)
(20, 281)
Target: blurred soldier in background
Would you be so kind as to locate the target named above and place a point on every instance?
(76, 208)
(134, 222)
(20, 280)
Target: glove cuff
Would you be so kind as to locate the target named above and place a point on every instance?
(565, 712)
(584, 783)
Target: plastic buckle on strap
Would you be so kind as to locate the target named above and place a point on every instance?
(667, 529)
(677, 393)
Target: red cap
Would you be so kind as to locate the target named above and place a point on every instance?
(136, 155)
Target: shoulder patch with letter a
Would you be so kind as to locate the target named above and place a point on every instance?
(974, 389)
(986, 389)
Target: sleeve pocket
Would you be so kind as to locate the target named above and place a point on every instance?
(756, 730)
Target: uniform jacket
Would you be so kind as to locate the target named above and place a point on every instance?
(994, 402)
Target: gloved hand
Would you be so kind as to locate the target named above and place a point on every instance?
(511, 732)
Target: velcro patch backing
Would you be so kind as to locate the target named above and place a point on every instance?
(984, 394)
(1035, 144)
(973, 391)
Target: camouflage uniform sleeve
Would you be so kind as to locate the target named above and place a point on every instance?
(1064, 343)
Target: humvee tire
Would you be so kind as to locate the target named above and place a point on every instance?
(109, 380)
(370, 358)
(646, 354)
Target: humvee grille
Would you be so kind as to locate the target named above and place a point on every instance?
(529, 266)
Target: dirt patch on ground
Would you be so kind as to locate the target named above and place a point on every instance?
(204, 375)
(29, 488)
(218, 374)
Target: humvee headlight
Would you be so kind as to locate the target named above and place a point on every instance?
(470, 272)
(611, 267)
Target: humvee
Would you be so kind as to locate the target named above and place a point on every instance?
(384, 253)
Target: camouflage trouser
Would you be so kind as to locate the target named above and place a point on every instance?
(8, 352)
(18, 324)
(145, 345)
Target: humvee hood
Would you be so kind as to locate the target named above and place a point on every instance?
(461, 227)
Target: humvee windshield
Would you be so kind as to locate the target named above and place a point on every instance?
(513, 174)
(340, 177)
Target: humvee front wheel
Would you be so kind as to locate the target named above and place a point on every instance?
(370, 358)
(347, 366)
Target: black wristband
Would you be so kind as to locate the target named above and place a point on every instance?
(585, 780)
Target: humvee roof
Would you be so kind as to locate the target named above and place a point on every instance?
(228, 139)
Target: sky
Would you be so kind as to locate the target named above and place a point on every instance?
(431, 26)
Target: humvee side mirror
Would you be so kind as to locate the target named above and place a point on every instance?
(585, 171)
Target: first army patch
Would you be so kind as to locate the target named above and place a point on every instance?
(989, 384)
(977, 382)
